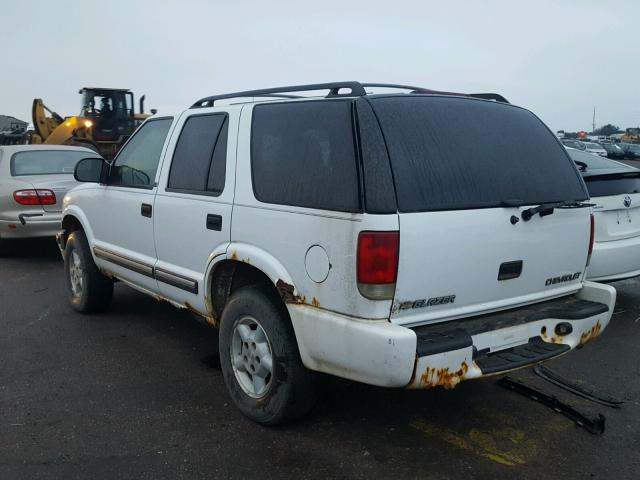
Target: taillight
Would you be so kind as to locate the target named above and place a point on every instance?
(40, 196)
(377, 264)
(592, 236)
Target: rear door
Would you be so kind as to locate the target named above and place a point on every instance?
(194, 202)
(464, 172)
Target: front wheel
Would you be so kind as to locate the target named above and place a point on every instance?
(87, 288)
(260, 360)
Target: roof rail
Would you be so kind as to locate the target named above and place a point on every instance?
(392, 85)
(485, 96)
(490, 96)
(357, 89)
(281, 92)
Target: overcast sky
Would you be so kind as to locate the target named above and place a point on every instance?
(557, 58)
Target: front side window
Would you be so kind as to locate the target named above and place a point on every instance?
(46, 162)
(200, 157)
(137, 163)
(303, 154)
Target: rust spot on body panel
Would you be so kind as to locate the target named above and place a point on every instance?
(208, 319)
(558, 339)
(590, 334)
(443, 377)
(287, 293)
(315, 302)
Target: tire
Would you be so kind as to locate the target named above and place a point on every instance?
(289, 390)
(5, 248)
(87, 288)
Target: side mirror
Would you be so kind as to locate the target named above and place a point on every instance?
(91, 170)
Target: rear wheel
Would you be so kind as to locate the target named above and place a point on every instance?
(87, 288)
(260, 360)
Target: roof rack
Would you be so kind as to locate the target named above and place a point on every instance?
(490, 96)
(334, 89)
(356, 89)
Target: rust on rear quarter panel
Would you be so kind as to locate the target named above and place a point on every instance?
(287, 292)
(234, 256)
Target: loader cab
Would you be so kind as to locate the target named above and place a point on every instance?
(111, 111)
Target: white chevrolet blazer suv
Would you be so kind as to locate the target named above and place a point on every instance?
(397, 239)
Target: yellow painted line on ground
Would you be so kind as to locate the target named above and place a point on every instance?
(484, 443)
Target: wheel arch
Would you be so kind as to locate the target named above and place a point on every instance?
(243, 265)
(72, 220)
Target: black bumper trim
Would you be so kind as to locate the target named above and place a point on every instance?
(456, 334)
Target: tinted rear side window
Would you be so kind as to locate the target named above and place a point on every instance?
(451, 153)
(199, 159)
(46, 162)
(303, 154)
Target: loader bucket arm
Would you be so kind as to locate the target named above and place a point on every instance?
(43, 124)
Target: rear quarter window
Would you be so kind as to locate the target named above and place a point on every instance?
(303, 154)
(453, 153)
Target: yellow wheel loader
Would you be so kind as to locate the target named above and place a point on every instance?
(107, 118)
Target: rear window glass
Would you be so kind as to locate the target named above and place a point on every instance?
(47, 162)
(200, 155)
(613, 184)
(303, 154)
(452, 153)
(595, 162)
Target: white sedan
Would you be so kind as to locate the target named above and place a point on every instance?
(615, 190)
(595, 148)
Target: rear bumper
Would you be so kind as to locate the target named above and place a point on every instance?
(382, 353)
(615, 260)
(30, 225)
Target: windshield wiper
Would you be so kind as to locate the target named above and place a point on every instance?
(545, 209)
(583, 166)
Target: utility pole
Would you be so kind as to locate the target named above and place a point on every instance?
(593, 124)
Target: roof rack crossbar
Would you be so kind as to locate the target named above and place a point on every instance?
(334, 88)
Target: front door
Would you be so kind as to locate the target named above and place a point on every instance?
(123, 237)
